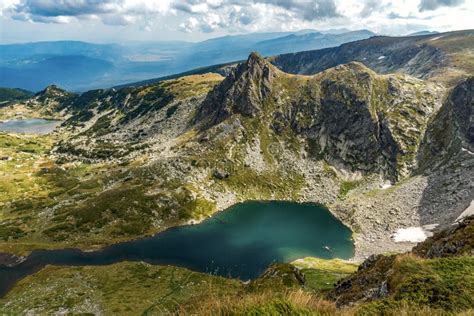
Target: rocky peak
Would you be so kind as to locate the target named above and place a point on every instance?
(241, 92)
(51, 92)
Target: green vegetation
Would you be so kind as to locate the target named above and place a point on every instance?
(443, 284)
(321, 275)
(417, 287)
(124, 288)
(330, 265)
(128, 201)
(346, 186)
(8, 95)
(250, 185)
(138, 288)
(193, 85)
(405, 281)
(112, 184)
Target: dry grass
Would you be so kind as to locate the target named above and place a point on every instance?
(291, 302)
(193, 85)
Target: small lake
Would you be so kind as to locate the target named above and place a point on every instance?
(29, 126)
(239, 242)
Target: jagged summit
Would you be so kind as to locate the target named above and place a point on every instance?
(52, 92)
(255, 59)
(357, 118)
(51, 89)
(241, 92)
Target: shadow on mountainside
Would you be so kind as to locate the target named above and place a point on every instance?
(447, 158)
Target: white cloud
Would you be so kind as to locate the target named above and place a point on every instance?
(229, 16)
(190, 25)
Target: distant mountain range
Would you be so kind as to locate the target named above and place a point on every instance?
(80, 66)
(423, 33)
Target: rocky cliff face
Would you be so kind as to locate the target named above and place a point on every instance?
(452, 129)
(457, 240)
(242, 91)
(351, 116)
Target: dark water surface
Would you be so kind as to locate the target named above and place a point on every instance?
(238, 242)
(29, 126)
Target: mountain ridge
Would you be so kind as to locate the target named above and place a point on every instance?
(137, 61)
(344, 134)
(386, 153)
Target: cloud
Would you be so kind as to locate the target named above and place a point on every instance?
(307, 10)
(231, 18)
(111, 12)
(302, 9)
(372, 6)
(429, 5)
(202, 17)
(50, 11)
(239, 15)
(190, 25)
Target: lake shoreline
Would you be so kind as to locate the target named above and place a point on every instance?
(272, 234)
(36, 126)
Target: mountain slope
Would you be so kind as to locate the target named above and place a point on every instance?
(8, 95)
(190, 146)
(438, 273)
(443, 57)
(308, 41)
(439, 281)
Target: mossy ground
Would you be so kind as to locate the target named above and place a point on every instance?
(443, 285)
(45, 204)
(124, 288)
(321, 275)
(193, 85)
(419, 286)
(20, 110)
(141, 289)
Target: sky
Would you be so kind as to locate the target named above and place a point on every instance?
(106, 21)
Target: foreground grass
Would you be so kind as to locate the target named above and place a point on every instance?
(321, 275)
(125, 288)
(406, 281)
(130, 288)
(136, 288)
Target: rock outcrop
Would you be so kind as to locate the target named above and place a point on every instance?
(354, 118)
(401, 276)
(452, 129)
(241, 92)
(454, 241)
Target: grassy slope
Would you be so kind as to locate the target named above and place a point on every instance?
(138, 288)
(124, 288)
(443, 284)
(136, 197)
(33, 185)
(45, 203)
(440, 286)
(415, 282)
(10, 95)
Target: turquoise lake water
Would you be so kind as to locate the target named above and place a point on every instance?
(239, 242)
